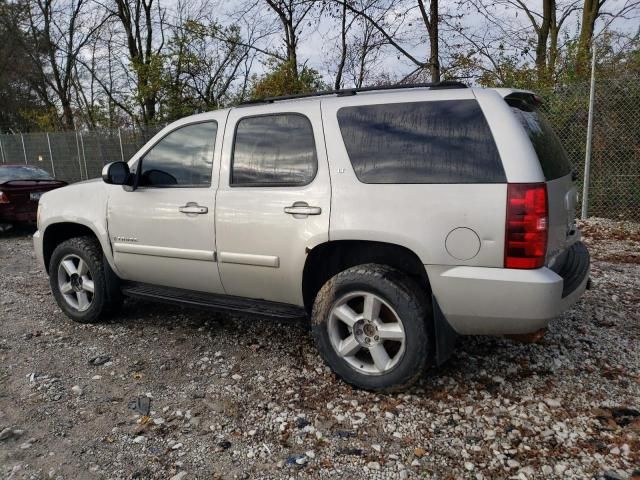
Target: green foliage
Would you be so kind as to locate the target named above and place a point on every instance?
(150, 82)
(283, 78)
(20, 108)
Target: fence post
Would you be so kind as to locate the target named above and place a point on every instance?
(79, 159)
(587, 155)
(2, 151)
(53, 167)
(24, 150)
(84, 158)
(120, 139)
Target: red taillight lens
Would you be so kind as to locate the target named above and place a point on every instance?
(525, 243)
(4, 198)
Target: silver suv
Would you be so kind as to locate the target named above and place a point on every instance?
(394, 218)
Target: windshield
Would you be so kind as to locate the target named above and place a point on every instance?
(23, 173)
(551, 154)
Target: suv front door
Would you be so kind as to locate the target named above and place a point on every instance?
(273, 202)
(163, 232)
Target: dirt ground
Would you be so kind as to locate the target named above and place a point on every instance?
(168, 392)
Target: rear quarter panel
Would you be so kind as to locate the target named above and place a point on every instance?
(416, 216)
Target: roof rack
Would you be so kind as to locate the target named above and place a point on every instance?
(346, 92)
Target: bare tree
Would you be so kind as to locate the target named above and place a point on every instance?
(545, 23)
(592, 10)
(359, 45)
(143, 23)
(344, 27)
(59, 31)
(293, 15)
(429, 18)
(206, 57)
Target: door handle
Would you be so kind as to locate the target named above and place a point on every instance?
(303, 209)
(193, 207)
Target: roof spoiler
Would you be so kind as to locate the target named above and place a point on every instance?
(527, 101)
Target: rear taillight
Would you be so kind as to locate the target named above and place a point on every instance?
(4, 198)
(525, 243)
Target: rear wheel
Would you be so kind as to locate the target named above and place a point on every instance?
(371, 324)
(80, 281)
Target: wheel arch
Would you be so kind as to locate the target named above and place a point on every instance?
(56, 233)
(327, 259)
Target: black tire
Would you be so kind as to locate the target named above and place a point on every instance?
(106, 298)
(411, 304)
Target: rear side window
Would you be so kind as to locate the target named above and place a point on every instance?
(274, 150)
(552, 156)
(421, 142)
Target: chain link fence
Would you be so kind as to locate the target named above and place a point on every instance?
(614, 180)
(614, 190)
(73, 156)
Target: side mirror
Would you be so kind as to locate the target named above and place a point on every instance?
(116, 173)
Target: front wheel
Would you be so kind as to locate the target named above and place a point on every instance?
(79, 283)
(371, 324)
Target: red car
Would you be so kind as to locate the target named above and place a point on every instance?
(21, 186)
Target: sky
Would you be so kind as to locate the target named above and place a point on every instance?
(314, 49)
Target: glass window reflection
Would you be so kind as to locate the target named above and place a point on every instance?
(421, 142)
(272, 150)
(183, 158)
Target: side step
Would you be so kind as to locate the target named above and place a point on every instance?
(212, 301)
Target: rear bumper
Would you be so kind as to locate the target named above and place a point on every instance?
(18, 215)
(500, 301)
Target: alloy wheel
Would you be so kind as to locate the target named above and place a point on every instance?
(76, 282)
(366, 332)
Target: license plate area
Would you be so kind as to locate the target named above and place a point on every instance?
(35, 196)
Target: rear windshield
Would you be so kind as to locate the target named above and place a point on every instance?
(551, 154)
(421, 142)
(23, 173)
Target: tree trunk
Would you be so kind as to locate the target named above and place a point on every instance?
(67, 114)
(343, 48)
(548, 9)
(434, 39)
(590, 13)
(553, 52)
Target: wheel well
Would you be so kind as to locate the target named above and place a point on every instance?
(57, 233)
(328, 259)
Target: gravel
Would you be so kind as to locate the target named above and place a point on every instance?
(169, 392)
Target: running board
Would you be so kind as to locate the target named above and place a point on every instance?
(212, 301)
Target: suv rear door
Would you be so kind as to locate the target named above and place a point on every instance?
(273, 201)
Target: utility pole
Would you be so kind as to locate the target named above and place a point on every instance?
(587, 156)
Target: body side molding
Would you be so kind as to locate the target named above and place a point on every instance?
(154, 251)
(250, 259)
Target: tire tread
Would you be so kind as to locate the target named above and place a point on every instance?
(407, 291)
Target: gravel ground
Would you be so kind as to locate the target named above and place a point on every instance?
(241, 397)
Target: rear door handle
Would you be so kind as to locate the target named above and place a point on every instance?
(193, 207)
(302, 209)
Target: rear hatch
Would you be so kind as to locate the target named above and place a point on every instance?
(562, 193)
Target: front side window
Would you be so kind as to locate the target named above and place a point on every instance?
(274, 150)
(184, 158)
(421, 142)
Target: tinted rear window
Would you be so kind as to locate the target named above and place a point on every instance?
(274, 150)
(552, 156)
(23, 173)
(421, 142)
